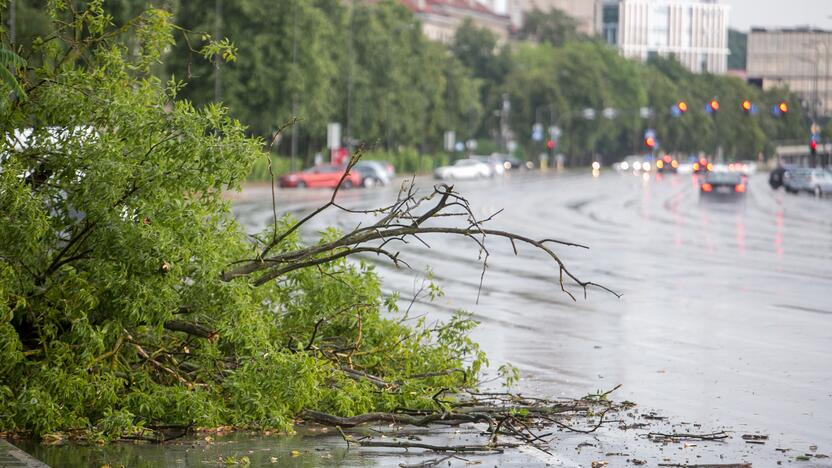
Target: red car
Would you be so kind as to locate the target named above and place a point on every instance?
(322, 175)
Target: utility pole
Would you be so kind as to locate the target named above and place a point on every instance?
(217, 58)
(350, 61)
(505, 108)
(294, 95)
(12, 22)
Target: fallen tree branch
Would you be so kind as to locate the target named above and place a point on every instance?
(400, 221)
(721, 435)
(495, 448)
(192, 328)
(396, 418)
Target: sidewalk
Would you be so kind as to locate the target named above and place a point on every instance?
(13, 457)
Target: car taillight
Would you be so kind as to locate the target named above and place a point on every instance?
(739, 187)
(695, 166)
(707, 187)
(674, 164)
(710, 167)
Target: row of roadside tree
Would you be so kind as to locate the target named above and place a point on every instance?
(367, 66)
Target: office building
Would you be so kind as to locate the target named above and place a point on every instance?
(694, 32)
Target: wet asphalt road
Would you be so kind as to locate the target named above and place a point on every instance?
(726, 313)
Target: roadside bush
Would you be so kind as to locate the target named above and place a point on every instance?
(260, 169)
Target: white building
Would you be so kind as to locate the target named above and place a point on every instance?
(694, 32)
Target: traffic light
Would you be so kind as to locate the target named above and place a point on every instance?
(550, 144)
(650, 142)
(746, 106)
(682, 106)
(813, 146)
(783, 107)
(713, 105)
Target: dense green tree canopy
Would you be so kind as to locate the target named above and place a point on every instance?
(367, 66)
(550, 27)
(738, 45)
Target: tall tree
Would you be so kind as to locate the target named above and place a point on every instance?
(285, 67)
(737, 45)
(553, 27)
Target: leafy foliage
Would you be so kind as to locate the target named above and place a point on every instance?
(113, 238)
(554, 84)
(738, 45)
(551, 27)
(367, 66)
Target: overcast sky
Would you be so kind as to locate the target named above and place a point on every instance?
(780, 13)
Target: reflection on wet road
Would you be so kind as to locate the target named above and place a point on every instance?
(726, 314)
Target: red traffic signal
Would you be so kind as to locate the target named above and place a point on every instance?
(746, 106)
(813, 146)
(783, 107)
(682, 106)
(650, 142)
(550, 144)
(714, 105)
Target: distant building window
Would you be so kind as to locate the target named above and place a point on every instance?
(610, 24)
(659, 21)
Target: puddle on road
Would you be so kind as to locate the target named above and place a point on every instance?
(627, 441)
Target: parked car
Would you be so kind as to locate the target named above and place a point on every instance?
(776, 177)
(463, 169)
(391, 171)
(815, 181)
(797, 180)
(373, 173)
(723, 184)
(511, 163)
(494, 162)
(821, 181)
(322, 175)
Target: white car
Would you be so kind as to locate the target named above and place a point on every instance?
(494, 162)
(463, 169)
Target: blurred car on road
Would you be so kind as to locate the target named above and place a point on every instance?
(667, 164)
(463, 169)
(815, 181)
(821, 182)
(743, 167)
(775, 177)
(629, 163)
(723, 185)
(494, 162)
(796, 180)
(512, 163)
(373, 173)
(322, 175)
(702, 166)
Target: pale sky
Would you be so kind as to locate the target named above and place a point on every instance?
(779, 13)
